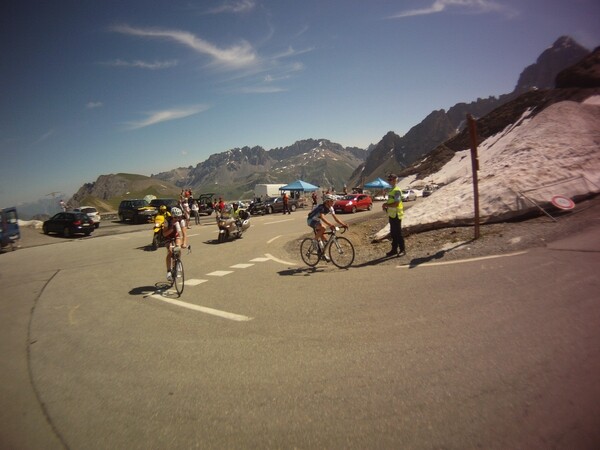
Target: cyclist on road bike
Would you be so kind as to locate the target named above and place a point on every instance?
(173, 231)
(317, 215)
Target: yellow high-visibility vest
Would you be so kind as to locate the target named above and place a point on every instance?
(399, 210)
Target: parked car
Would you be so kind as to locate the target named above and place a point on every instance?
(205, 203)
(409, 195)
(91, 212)
(136, 210)
(69, 223)
(429, 189)
(275, 205)
(352, 203)
(9, 228)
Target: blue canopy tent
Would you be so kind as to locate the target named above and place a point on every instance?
(378, 183)
(299, 186)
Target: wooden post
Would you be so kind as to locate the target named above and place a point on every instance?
(475, 168)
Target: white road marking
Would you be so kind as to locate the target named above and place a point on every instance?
(195, 282)
(481, 258)
(219, 273)
(203, 309)
(241, 266)
(281, 261)
(278, 221)
(271, 240)
(260, 259)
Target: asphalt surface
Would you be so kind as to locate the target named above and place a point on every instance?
(262, 352)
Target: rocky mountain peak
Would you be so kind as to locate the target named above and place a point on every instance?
(541, 75)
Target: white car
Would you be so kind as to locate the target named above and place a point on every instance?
(91, 212)
(408, 195)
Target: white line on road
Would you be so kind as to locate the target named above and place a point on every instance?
(241, 266)
(203, 309)
(281, 261)
(271, 240)
(481, 258)
(278, 221)
(219, 273)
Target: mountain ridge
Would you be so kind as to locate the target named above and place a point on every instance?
(233, 173)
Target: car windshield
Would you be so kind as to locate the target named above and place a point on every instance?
(349, 197)
(140, 203)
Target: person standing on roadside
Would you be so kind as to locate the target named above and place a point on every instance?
(286, 206)
(395, 210)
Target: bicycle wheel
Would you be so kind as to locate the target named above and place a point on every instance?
(178, 277)
(308, 251)
(341, 252)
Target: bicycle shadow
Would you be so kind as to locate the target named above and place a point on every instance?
(301, 271)
(162, 288)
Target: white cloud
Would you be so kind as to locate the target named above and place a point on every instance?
(43, 137)
(156, 65)
(238, 7)
(237, 56)
(93, 105)
(469, 6)
(156, 117)
(261, 90)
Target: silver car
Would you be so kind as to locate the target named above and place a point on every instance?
(91, 212)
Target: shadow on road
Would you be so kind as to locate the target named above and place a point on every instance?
(438, 255)
(304, 271)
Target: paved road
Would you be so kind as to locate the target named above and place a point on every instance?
(261, 352)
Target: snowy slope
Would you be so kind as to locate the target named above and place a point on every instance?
(557, 152)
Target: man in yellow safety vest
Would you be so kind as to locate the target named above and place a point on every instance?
(395, 211)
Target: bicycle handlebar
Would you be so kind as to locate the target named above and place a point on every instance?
(342, 230)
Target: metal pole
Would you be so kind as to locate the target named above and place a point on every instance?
(475, 168)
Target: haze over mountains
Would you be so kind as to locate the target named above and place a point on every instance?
(234, 173)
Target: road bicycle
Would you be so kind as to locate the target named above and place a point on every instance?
(177, 275)
(338, 249)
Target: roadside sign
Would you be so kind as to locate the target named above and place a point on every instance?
(562, 202)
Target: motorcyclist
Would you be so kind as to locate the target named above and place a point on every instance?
(235, 215)
(163, 211)
(161, 217)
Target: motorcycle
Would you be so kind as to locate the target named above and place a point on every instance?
(158, 240)
(230, 227)
(257, 207)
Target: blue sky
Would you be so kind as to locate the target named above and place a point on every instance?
(98, 87)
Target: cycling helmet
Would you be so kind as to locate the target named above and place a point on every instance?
(176, 212)
(162, 208)
(328, 197)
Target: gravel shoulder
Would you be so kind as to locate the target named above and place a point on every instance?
(455, 243)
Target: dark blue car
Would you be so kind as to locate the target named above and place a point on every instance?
(9, 228)
(69, 223)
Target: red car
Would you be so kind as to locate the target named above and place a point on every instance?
(352, 203)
